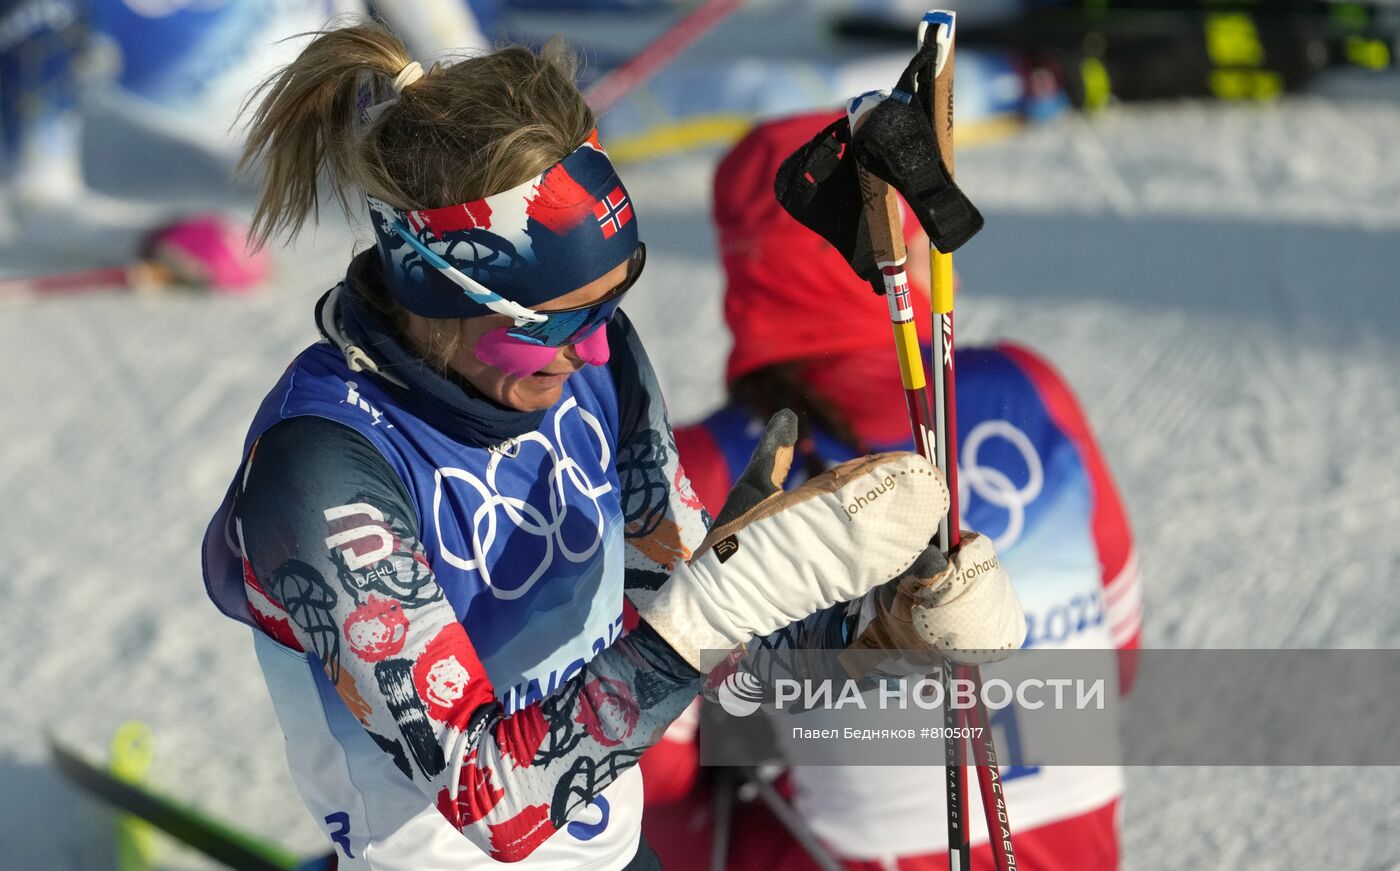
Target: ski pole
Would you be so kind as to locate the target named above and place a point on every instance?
(941, 27)
(887, 242)
(722, 789)
(790, 820)
(621, 81)
(140, 275)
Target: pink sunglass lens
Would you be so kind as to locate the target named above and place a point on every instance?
(512, 356)
(594, 350)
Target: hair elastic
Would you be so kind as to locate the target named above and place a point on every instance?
(411, 73)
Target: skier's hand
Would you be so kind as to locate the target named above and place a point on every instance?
(968, 609)
(774, 557)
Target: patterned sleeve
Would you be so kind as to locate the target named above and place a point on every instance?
(335, 568)
(664, 519)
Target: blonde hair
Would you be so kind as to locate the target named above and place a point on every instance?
(461, 132)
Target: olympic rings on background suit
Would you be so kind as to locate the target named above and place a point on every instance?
(994, 485)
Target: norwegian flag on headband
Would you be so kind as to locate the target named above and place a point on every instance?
(530, 244)
(613, 212)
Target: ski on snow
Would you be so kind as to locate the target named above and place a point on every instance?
(217, 840)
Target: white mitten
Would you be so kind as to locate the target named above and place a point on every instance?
(774, 557)
(969, 611)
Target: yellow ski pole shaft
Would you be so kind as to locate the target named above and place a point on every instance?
(941, 26)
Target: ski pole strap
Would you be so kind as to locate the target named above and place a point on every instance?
(816, 185)
(897, 144)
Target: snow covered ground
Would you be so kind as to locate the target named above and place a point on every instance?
(1222, 285)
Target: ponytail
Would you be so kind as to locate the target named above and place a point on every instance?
(304, 122)
(458, 133)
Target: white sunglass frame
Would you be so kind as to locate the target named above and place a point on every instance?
(471, 287)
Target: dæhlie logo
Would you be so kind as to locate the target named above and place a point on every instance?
(740, 694)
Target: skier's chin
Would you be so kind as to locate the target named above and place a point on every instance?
(536, 392)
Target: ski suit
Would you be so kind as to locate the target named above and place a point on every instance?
(436, 586)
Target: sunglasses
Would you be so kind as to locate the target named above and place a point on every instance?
(572, 325)
(546, 329)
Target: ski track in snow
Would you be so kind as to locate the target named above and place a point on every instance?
(1219, 284)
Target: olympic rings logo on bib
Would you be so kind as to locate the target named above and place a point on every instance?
(497, 515)
(994, 485)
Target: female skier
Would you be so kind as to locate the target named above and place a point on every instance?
(441, 505)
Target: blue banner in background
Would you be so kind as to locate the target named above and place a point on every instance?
(174, 51)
